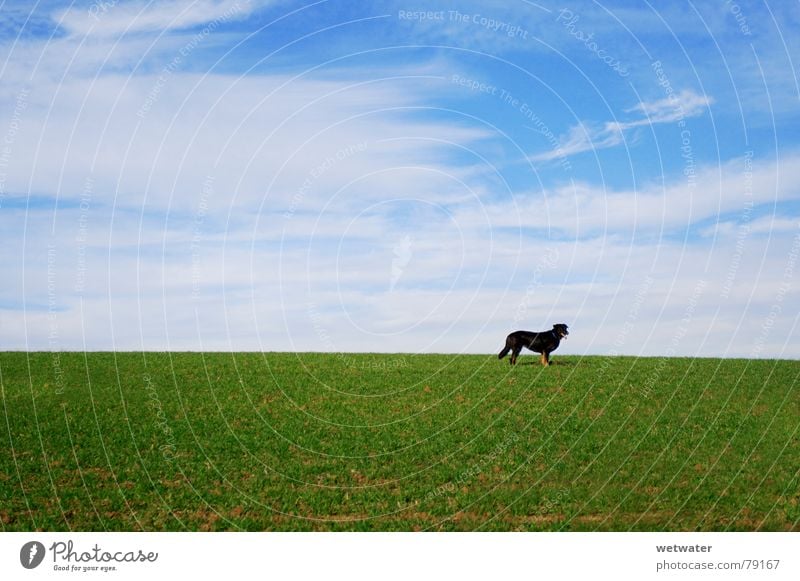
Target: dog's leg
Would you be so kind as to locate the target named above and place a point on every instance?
(546, 357)
(514, 355)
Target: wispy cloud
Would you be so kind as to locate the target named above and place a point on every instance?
(678, 106)
(111, 19)
(592, 137)
(584, 137)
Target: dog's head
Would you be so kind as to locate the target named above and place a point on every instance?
(560, 330)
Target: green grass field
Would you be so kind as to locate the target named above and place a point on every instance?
(281, 441)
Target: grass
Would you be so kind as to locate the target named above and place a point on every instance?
(279, 441)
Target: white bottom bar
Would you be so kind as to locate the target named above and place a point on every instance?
(378, 556)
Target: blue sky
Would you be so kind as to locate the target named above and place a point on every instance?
(400, 177)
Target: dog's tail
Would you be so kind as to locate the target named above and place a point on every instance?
(505, 350)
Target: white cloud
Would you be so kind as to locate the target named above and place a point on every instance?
(189, 181)
(769, 225)
(587, 137)
(259, 138)
(112, 19)
(589, 210)
(673, 108)
(584, 137)
(468, 281)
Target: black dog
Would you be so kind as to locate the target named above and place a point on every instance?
(545, 343)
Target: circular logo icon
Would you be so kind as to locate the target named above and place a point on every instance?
(31, 554)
